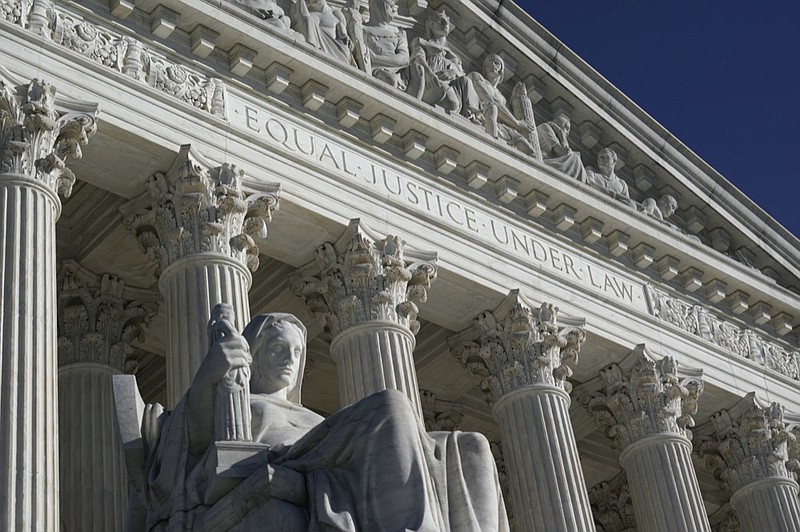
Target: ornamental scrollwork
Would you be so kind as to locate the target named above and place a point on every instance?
(612, 506)
(196, 208)
(746, 443)
(515, 346)
(124, 54)
(99, 318)
(363, 278)
(740, 341)
(38, 134)
(646, 399)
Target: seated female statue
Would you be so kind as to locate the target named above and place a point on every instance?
(369, 467)
(323, 27)
(498, 119)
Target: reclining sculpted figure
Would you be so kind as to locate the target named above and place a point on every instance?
(369, 467)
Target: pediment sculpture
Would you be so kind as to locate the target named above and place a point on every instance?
(240, 452)
(517, 127)
(605, 179)
(554, 142)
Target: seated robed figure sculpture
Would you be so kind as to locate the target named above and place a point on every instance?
(369, 467)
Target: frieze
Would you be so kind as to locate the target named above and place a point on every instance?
(117, 52)
(741, 341)
(295, 141)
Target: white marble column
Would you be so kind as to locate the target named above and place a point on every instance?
(520, 355)
(98, 319)
(198, 223)
(366, 287)
(645, 409)
(747, 447)
(37, 134)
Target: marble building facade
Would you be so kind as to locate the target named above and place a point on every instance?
(455, 205)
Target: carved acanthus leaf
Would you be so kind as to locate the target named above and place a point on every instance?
(649, 398)
(364, 278)
(98, 320)
(747, 442)
(437, 414)
(196, 208)
(38, 133)
(515, 346)
(612, 506)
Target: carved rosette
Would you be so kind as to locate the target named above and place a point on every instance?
(98, 318)
(195, 208)
(515, 346)
(612, 506)
(647, 399)
(363, 278)
(746, 443)
(37, 134)
(437, 414)
(725, 520)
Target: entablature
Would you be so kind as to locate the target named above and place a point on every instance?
(620, 236)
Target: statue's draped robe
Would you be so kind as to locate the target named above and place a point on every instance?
(569, 163)
(369, 467)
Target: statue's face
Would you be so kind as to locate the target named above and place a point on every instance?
(605, 161)
(440, 25)
(278, 359)
(315, 5)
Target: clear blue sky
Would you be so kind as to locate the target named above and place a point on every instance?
(722, 76)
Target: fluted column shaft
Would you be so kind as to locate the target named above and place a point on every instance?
(663, 484)
(28, 420)
(544, 471)
(191, 287)
(94, 484)
(376, 356)
(768, 504)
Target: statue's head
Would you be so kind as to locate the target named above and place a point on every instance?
(438, 24)
(278, 347)
(667, 204)
(563, 122)
(607, 160)
(382, 11)
(494, 67)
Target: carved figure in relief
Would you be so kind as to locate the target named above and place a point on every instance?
(370, 466)
(498, 119)
(268, 11)
(354, 22)
(553, 139)
(323, 27)
(388, 46)
(606, 180)
(443, 81)
(663, 209)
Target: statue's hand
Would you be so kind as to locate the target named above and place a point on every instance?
(229, 351)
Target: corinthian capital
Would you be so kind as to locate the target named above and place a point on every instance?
(363, 278)
(99, 318)
(196, 208)
(747, 442)
(39, 131)
(515, 346)
(612, 506)
(644, 396)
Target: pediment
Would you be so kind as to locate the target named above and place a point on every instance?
(718, 249)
